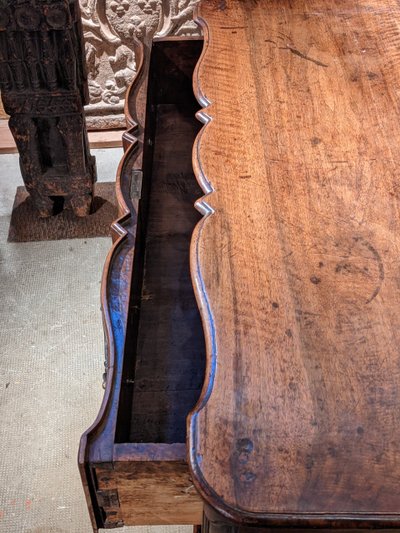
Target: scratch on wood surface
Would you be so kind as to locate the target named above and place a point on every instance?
(303, 56)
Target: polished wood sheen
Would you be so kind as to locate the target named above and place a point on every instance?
(296, 262)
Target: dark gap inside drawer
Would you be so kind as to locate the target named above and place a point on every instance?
(165, 351)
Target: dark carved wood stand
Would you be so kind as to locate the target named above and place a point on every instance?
(43, 87)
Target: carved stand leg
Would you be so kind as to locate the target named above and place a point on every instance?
(72, 129)
(25, 135)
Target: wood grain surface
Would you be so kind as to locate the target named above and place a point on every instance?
(296, 261)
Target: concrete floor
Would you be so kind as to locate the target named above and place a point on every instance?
(51, 365)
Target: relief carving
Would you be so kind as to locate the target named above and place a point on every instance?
(110, 27)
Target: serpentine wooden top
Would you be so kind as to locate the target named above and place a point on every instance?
(296, 263)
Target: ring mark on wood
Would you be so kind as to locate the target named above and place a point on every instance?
(379, 261)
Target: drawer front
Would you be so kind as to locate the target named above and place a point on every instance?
(147, 493)
(157, 493)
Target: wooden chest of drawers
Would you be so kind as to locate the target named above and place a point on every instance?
(279, 407)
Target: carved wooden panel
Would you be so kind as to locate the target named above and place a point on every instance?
(110, 28)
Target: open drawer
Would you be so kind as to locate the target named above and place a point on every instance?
(133, 458)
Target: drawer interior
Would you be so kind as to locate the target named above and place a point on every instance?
(164, 358)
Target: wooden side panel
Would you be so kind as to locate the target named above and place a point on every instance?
(157, 493)
(296, 265)
(97, 442)
(147, 483)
